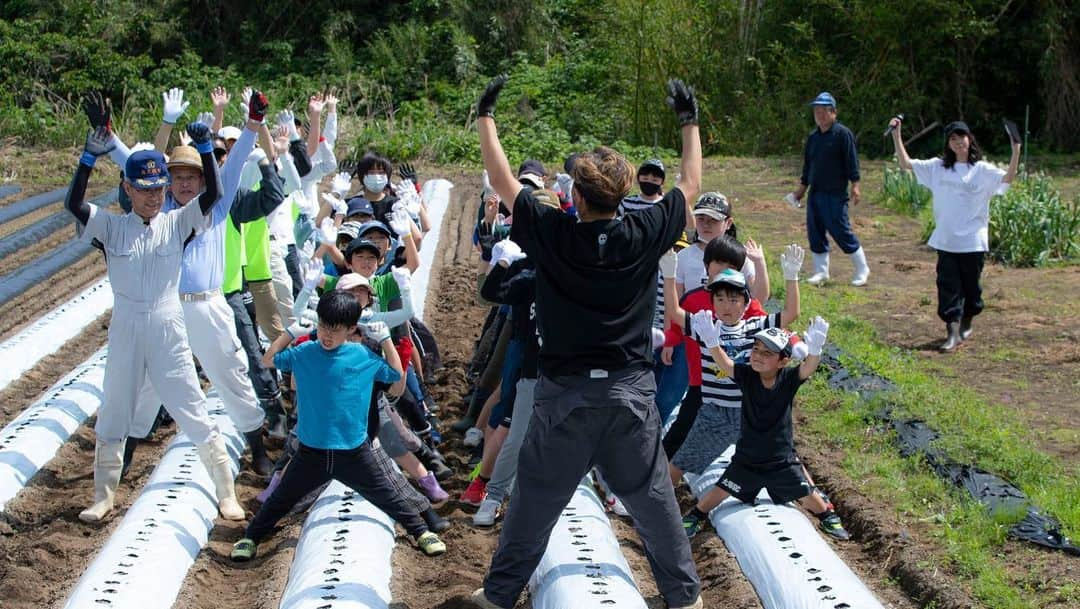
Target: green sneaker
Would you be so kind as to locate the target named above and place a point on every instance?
(244, 550)
(833, 527)
(692, 524)
(430, 544)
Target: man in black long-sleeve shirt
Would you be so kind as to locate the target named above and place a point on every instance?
(830, 161)
(595, 294)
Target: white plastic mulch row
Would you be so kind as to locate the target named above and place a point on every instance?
(583, 567)
(145, 560)
(29, 441)
(50, 332)
(782, 554)
(343, 557)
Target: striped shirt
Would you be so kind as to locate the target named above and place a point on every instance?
(717, 388)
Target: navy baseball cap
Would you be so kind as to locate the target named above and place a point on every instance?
(532, 166)
(375, 225)
(358, 244)
(359, 205)
(957, 127)
(824, 99)
(147, 169)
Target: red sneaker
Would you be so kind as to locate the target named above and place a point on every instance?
(475, 494)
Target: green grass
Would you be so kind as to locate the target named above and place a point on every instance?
(971, 431)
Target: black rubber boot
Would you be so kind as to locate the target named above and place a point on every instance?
(965, 328)
(435, 523)
(260, 463)
(953, 340)
(129, 454)
(434, 462)
(475, 406)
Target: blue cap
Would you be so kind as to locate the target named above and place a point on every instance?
(824, 99)
(359, 205)
(367, 227)
(146, 169)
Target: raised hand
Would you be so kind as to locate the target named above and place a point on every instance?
(245, 95)
(399, 220)
(257, 106)
(313, 272)
(331, 103)
(98, 143)
(682, 100)
(316, 103)
(174, 105)
(327, 233)
(815, 336)
(336, 203)
(669, 262)
(98, 110)
(206, 118)
(219, 97)
(791, 261)
(287, 120)
(376, 331)
(199, 133)
(407, 172)
(704, 327)
(341, 184)
(486, 105)
(348, 165)
(281, 140)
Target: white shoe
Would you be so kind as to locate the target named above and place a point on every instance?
(215, 457)
(473, 437)
(487, 514)
(862, 269)
(108, 464)
(615, 506)
(821, 269)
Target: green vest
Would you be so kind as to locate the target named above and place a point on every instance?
(234, 258)
(257, 248)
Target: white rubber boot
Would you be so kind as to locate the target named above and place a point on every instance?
(215, 457)
(862, 269)
(108, 463)
(821, 269)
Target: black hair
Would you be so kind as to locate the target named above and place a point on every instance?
(948, 157)
(339, 309)
(727, 250)
(370, 161)
(722, 289)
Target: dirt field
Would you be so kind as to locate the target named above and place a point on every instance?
(44, 548)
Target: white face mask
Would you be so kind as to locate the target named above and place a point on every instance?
(375, 182)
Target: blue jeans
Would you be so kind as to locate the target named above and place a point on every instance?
(828, 213)
(671, 381)
(511, 372)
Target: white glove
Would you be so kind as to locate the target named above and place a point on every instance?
(669, 262)
(258, 155)
(245, 95)
(286, 119)
(791, 261)
(706, 330)
(506, 250)
(565, 182)
(336, 203)
(310, 316)
(341, 184)
(799, 351)
(206, 118)
(487, 183)
(657, 338)
(301, 327)
(815, 336)
(376, 331)
(328, 232)
(402, 277)
(313, 272)
(399, 220)
(174, 105)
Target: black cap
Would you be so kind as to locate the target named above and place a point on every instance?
(957, 127)
(532, 166)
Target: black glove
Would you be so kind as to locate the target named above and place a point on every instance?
(486, 105)
(681, 99)
(407, 172)
(199, 134)
(98, 109)
(348, 166)
(257, 106)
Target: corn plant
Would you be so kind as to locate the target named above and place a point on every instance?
(1031, 224)
(901, 192)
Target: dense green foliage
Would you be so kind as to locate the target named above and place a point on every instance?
(582, 71)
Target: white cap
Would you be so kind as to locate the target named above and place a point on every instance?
(229, 133)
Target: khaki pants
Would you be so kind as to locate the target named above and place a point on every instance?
(266, 310)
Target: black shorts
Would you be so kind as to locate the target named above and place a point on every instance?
(784, 483)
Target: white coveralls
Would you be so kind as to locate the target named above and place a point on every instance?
(146, 333)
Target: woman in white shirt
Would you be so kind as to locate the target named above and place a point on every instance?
(962, 185)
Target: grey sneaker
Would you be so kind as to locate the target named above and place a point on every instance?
(487, 514)
(480, 601)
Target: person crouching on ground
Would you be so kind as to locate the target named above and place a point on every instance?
(334, 380)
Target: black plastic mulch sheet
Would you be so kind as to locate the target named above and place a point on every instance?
(997, 494)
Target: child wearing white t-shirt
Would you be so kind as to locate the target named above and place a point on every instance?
(962, 185)
(712, 218)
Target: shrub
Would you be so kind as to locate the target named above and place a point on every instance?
(1032, 225)
(901, 192)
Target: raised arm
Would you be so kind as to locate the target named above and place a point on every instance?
(200, 138)
(759, 287)
(791, 262)
(673, 313)
(1014, 164)
(98, 143)
(898, 141)
(498, 167)
(401, 224)
(815, 341)
(220, 98)
(173, 108)
(706, 329)
(681, 99)
(314, 114)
